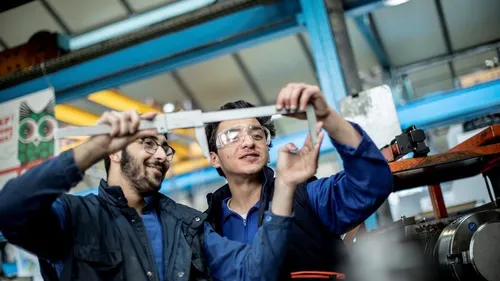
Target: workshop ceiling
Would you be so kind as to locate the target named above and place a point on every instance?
(409, 33)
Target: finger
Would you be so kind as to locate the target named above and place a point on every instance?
(148, 116)
(280, 101)
(287, 92)
(308, 144)
(115, 124)
(288, 147)
(295, 94)
(307, 94)
(320, 141)
(313, 155)
(319, 127)
(135, 121)
(124, 120)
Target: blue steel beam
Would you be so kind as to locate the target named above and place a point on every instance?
(366, 26)
(315, 18)
(449, 107)
(242, 29)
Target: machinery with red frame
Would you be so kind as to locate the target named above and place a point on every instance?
(465, 246)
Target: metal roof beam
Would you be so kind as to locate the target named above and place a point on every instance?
(307, 52)
(366, 25)
(57, 18)
(250, 80)
(127, 6)
(181, 83)
(442, 59)
(3, 44)
(446, 35)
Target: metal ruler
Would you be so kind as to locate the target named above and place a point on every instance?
(165, 123)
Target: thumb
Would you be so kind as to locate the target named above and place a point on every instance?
(148, 116)
(288, 147)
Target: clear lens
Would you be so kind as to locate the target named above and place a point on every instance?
(237, 133)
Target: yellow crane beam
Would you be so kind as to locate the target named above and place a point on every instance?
(75, 116)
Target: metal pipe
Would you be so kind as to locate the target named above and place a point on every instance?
(133, 23)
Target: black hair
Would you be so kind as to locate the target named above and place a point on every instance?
(211, 129)
(107, 161)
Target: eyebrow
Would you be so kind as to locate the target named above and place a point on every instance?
(156, 139)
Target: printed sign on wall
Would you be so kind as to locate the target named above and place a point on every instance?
(27, 127)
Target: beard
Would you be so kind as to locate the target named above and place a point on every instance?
(145, 182)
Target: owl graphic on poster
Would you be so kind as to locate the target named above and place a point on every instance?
(36, 133)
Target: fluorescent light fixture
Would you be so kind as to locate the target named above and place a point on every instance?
(131, 24)
(394, 2)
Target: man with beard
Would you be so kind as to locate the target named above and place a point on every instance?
(130, 231)
(324, 209)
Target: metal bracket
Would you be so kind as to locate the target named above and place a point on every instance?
(165, 123)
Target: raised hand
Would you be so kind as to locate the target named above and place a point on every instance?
(124, 127)
(296, 166)
(293, 168)
(299, 95)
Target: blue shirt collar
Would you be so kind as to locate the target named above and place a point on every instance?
(226, 212)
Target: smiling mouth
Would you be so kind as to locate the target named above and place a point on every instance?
(156, 169)
(250, 157)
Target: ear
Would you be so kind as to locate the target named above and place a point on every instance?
(116, 157)
(214, 160)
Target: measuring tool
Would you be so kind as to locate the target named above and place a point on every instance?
(165, 123)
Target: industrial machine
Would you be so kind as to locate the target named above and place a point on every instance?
(463, 246)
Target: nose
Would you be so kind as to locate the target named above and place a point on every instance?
(247, 141)
(160, 154)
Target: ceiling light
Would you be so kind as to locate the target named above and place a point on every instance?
(169, 107)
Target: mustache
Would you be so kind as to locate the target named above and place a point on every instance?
(163, 167)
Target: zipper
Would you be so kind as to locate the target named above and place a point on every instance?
(149, 247)
(174, 252)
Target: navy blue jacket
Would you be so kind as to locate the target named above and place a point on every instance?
(104, 238)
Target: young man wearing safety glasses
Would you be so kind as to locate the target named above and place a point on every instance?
(324, 209)
(129, 231)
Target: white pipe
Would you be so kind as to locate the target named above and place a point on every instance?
(134, 23)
